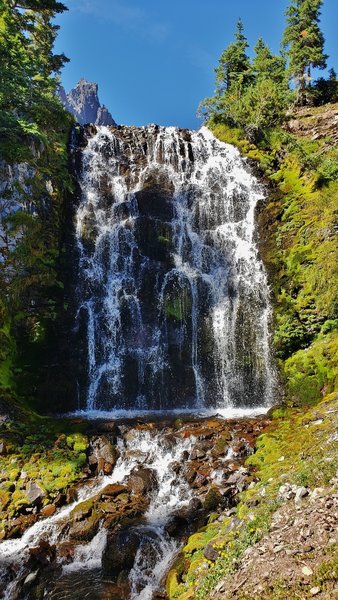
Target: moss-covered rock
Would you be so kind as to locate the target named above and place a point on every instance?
(39, 468)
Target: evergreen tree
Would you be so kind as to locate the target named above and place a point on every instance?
(233, 74)
(325, 90)
(234, 65)
(265, 65)
(28, 67)
(304, 42)
(30, 211)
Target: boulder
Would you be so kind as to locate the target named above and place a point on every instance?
(82, 510)
(48, 510)
(102, 455)
(142, 481)
(120, 552)
(212, 499)
(112, 490)
(211, 553)
(86, 529)
(34, 492)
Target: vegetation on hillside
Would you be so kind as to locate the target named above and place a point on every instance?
(256, 94)
(252, 106)
(296, 450)
(34, 130)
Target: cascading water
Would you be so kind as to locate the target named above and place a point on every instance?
(173, 299)
(160, 454)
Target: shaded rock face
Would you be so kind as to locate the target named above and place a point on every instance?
(172, 299)
(83, 102)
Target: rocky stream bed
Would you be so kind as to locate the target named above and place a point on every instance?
(115, 533)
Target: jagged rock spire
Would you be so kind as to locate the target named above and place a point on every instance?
(83, 102)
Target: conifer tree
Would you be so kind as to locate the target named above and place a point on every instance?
(28, 67)
(266, 65)
(234, 64)
(233, 75)
(304, 42)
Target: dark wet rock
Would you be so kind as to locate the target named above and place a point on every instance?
(220, 448)
(142, 480)
(176, 467)
(84, 531)
(186, 519)
(18, 525)
(213, 499)
(71, 494)
(190, 473)
(201, 479)
(103, 455)
(120, 553)
(199, 451)
(41, 555)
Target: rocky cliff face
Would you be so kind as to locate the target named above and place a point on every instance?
(83, 102)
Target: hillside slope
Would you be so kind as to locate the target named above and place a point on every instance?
(280, 541)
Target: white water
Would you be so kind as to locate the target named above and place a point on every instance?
(150, 567)
(169, 267)
(89, 556)
(137, 448)
(122, 414)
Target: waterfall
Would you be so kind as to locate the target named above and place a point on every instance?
(173, 301)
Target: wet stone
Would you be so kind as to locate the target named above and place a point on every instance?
(142, 480)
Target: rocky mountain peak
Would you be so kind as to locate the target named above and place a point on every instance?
(83, 102)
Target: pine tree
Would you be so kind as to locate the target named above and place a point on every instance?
(234, 64)
(28, 67)
(233, 74)
(304, 42)
(266, 65)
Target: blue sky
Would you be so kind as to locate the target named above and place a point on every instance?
(154, 60)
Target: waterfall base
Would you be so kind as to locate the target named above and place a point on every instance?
(154, 415)
(122, 533)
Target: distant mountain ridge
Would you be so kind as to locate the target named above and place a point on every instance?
(84, 104)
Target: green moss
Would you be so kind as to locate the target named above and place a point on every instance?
(177, 304)
(199, 540)
(313, 372)
(163, 240)
(78, 442)
(44, 457)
